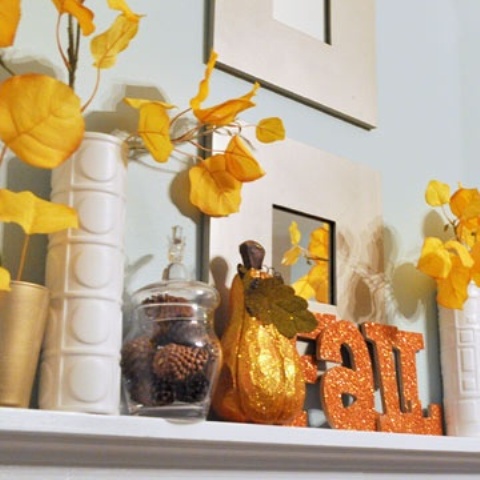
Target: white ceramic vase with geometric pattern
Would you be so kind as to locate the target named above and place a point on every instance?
(85, 268)
(460, 362)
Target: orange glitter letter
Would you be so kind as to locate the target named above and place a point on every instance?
(346, 392)
(394, 351)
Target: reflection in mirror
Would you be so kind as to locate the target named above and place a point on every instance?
(314, 270)
(311, 17)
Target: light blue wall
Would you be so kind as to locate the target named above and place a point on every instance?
(428, 115)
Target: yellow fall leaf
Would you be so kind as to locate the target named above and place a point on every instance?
(34, 214)
(303, 288)
(465, 203)
(83, 15)
(154, 128)
(213, 189)
(204, 86)
(461, 251)
(40, 119)
(452, 291)
(224, 113)
(140, 102)
(467, 231)
(475, 271)
(270, 130)
(437, 193)
(9, 18)
(291, 256)
(295, 234)
(106, 46)
(123, 7)
(319, 242)
(240, 162)
(318, 278)
(4, 279)
(434, 260)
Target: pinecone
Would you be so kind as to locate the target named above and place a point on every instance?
(159, 312)
(184, 332)
(176, 362)
(136, 358)
(194, 389)
(142, 391)
(164, 392)
(136, 364)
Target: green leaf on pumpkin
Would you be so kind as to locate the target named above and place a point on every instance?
(269, 300)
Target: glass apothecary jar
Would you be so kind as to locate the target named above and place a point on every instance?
(171, 356)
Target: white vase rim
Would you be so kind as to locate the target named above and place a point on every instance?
(103, 136)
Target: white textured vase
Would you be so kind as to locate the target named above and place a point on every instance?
(460, 361)
(85, 268)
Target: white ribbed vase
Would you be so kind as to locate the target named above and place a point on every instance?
(460, 361)
(85, 268)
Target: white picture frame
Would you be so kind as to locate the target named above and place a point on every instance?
(338, 77)
(318, 183)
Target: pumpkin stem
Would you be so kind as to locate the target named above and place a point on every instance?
(252, 254)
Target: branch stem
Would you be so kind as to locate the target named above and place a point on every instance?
(23, 257)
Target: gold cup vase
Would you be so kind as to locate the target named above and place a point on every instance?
(23, 317)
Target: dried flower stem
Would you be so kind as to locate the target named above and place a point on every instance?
(72, 50)
(5, 67)
(94, 92)
(2, 153)
(23, 257)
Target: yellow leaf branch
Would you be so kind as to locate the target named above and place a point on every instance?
(216, 181)
(453, 263)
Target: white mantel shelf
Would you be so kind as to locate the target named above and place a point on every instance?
(34, 437)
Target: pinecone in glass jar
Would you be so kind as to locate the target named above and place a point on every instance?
(164, 392)
(177, 362)
(184, 332)
(136, 358)
(142, 391)
(159, 311)
(136, 365)
(193, 389)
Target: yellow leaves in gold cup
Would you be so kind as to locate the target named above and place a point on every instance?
(214, 190)
(4, 279)
(9, 19)
(82, 14)
(40, 119)
(34, 214)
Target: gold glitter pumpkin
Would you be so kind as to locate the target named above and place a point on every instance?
(261, 379)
